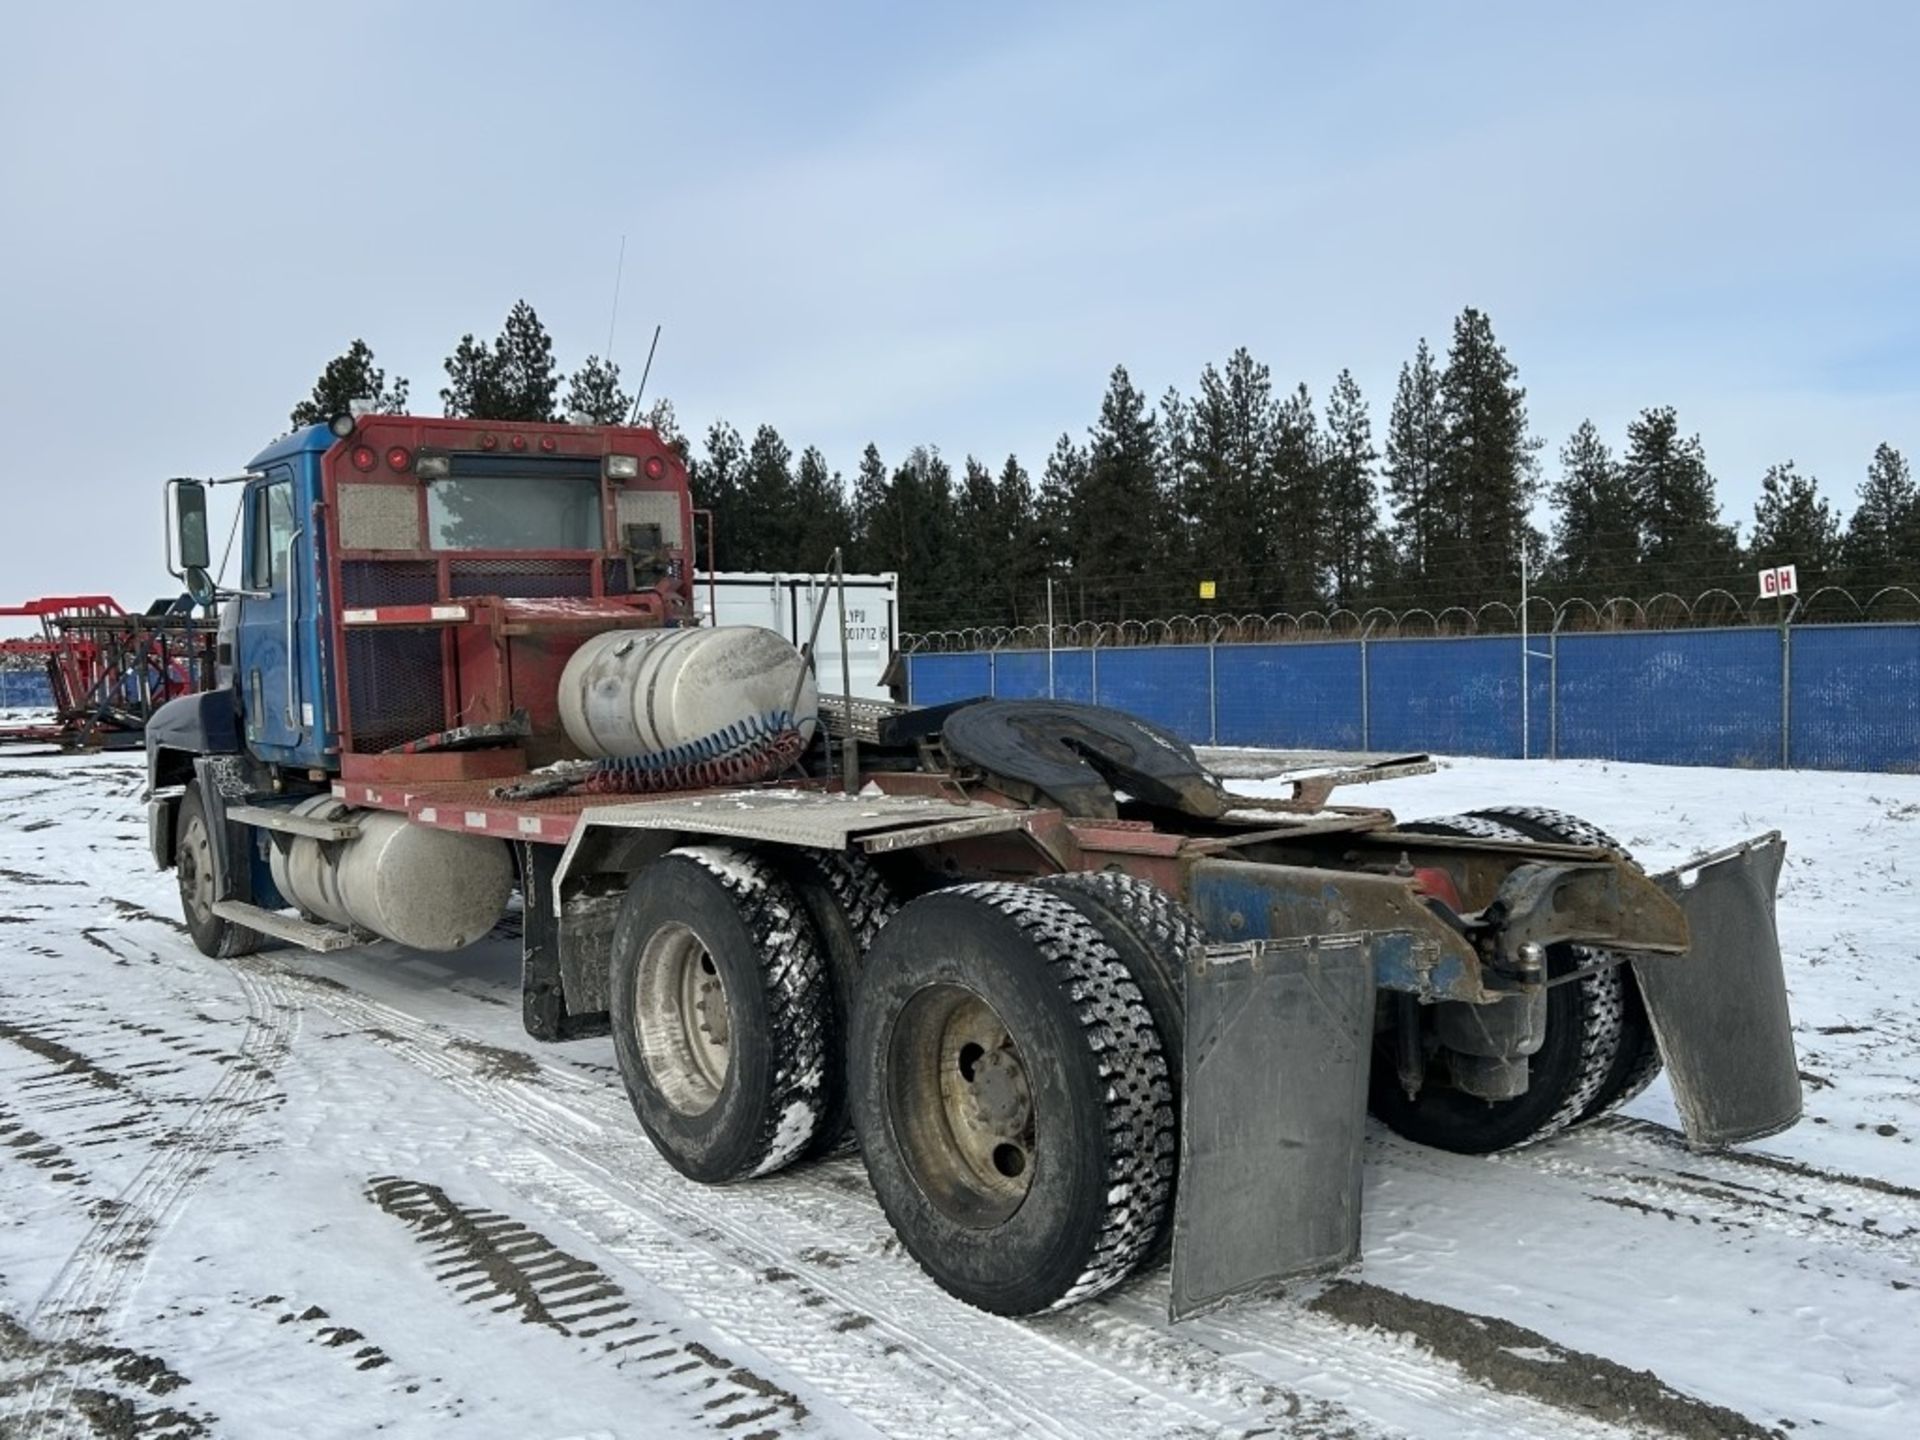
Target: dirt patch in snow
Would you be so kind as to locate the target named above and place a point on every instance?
(70, 1061)
(1520, 1361)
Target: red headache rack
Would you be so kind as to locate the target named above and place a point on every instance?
(106, 670)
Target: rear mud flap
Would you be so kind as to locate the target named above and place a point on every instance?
(1719, 1012)
(1273, 1115)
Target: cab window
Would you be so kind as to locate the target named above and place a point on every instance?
(272, 528)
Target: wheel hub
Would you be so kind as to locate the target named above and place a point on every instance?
(963, 1105)
(682, 1019)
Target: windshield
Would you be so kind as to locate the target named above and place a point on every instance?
(514, 512)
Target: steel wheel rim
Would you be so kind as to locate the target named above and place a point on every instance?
(961, 1105)
(195, 866)
(683, 1020)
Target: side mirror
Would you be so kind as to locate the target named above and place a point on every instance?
(190, 524)
(200, 587)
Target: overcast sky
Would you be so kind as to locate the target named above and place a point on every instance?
(920, 224)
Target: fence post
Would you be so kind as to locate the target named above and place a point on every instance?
(1786, 685)
(993, 672)
(1553, 693)
(1093, 659)
(1213, 689)
(1366, 691)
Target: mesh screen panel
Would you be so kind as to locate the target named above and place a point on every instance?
(394, 687)
(522, 579)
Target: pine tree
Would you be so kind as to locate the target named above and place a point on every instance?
(471, 390)
(1416, 451)
(1684, 548)
(1488, 474)
(1295, 504)
(1351, 524)
(979, 543)
(1117, 519)
(1883, 537)
(523, 367)
(348, 378)
(1022, 567)
(594, 394)
(1794, 525)
(768, 509)
(1221, 466)
(1595, 536)
(659, 418)
(821, 522)
(1061, 482)
(869, 502)
(913, 527)
(716, 479)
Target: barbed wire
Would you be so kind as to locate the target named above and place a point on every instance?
(1714, 607)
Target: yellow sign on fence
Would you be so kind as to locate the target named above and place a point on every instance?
(1206, 589)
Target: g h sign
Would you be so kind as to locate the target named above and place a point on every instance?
(1780, 580)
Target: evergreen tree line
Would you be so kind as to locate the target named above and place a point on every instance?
(1285, 505)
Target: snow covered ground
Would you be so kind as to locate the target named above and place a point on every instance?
(315, 1196)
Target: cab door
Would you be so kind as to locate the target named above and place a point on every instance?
(267, 658)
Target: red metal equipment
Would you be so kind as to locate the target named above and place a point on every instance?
(107, 669)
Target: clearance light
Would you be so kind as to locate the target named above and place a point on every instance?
(548, 443)
(398, 458)
(518, 442)
(432, 467)
(489, 442)
(656, 468)
(623, 467)
(364, 459)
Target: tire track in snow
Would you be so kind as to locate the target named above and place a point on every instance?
(808, 1216)
(86, 1294)
(850, 1330)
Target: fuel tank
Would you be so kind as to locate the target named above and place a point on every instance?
(690, 694)
(425, 888)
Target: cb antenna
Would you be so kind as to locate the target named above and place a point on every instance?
(619, 268)
(646, 371)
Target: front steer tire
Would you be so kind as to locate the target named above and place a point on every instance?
(1011, 1099)
(720, 1009)
(193, 869)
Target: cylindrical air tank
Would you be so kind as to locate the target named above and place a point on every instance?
(688, 694)
(430, 889)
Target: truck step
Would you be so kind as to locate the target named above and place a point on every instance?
(291, 928)
(268, 817)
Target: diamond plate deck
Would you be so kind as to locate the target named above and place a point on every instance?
(797, 817)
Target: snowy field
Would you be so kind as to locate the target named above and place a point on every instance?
(333, 1196)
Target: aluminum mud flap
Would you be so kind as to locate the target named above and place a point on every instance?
(1719, 1012)
(1273, 1113)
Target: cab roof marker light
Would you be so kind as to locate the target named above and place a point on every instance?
(656, 468)
(341, 426)
(623, 467)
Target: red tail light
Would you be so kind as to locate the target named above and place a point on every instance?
(548, 443)
(518, 442)
(656, 468)
(399, 459)
(489, 442)
(364, 459)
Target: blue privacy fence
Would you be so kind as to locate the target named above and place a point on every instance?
(25, 690)
(1827, 697)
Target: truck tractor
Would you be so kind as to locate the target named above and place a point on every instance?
(1078, 1005)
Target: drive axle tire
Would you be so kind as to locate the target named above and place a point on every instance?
(1155, 936)
(1637, 1060)
(720, 1009)
(847, 900)
(193, 868)
(1011, 1098)
(1583, 1036)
